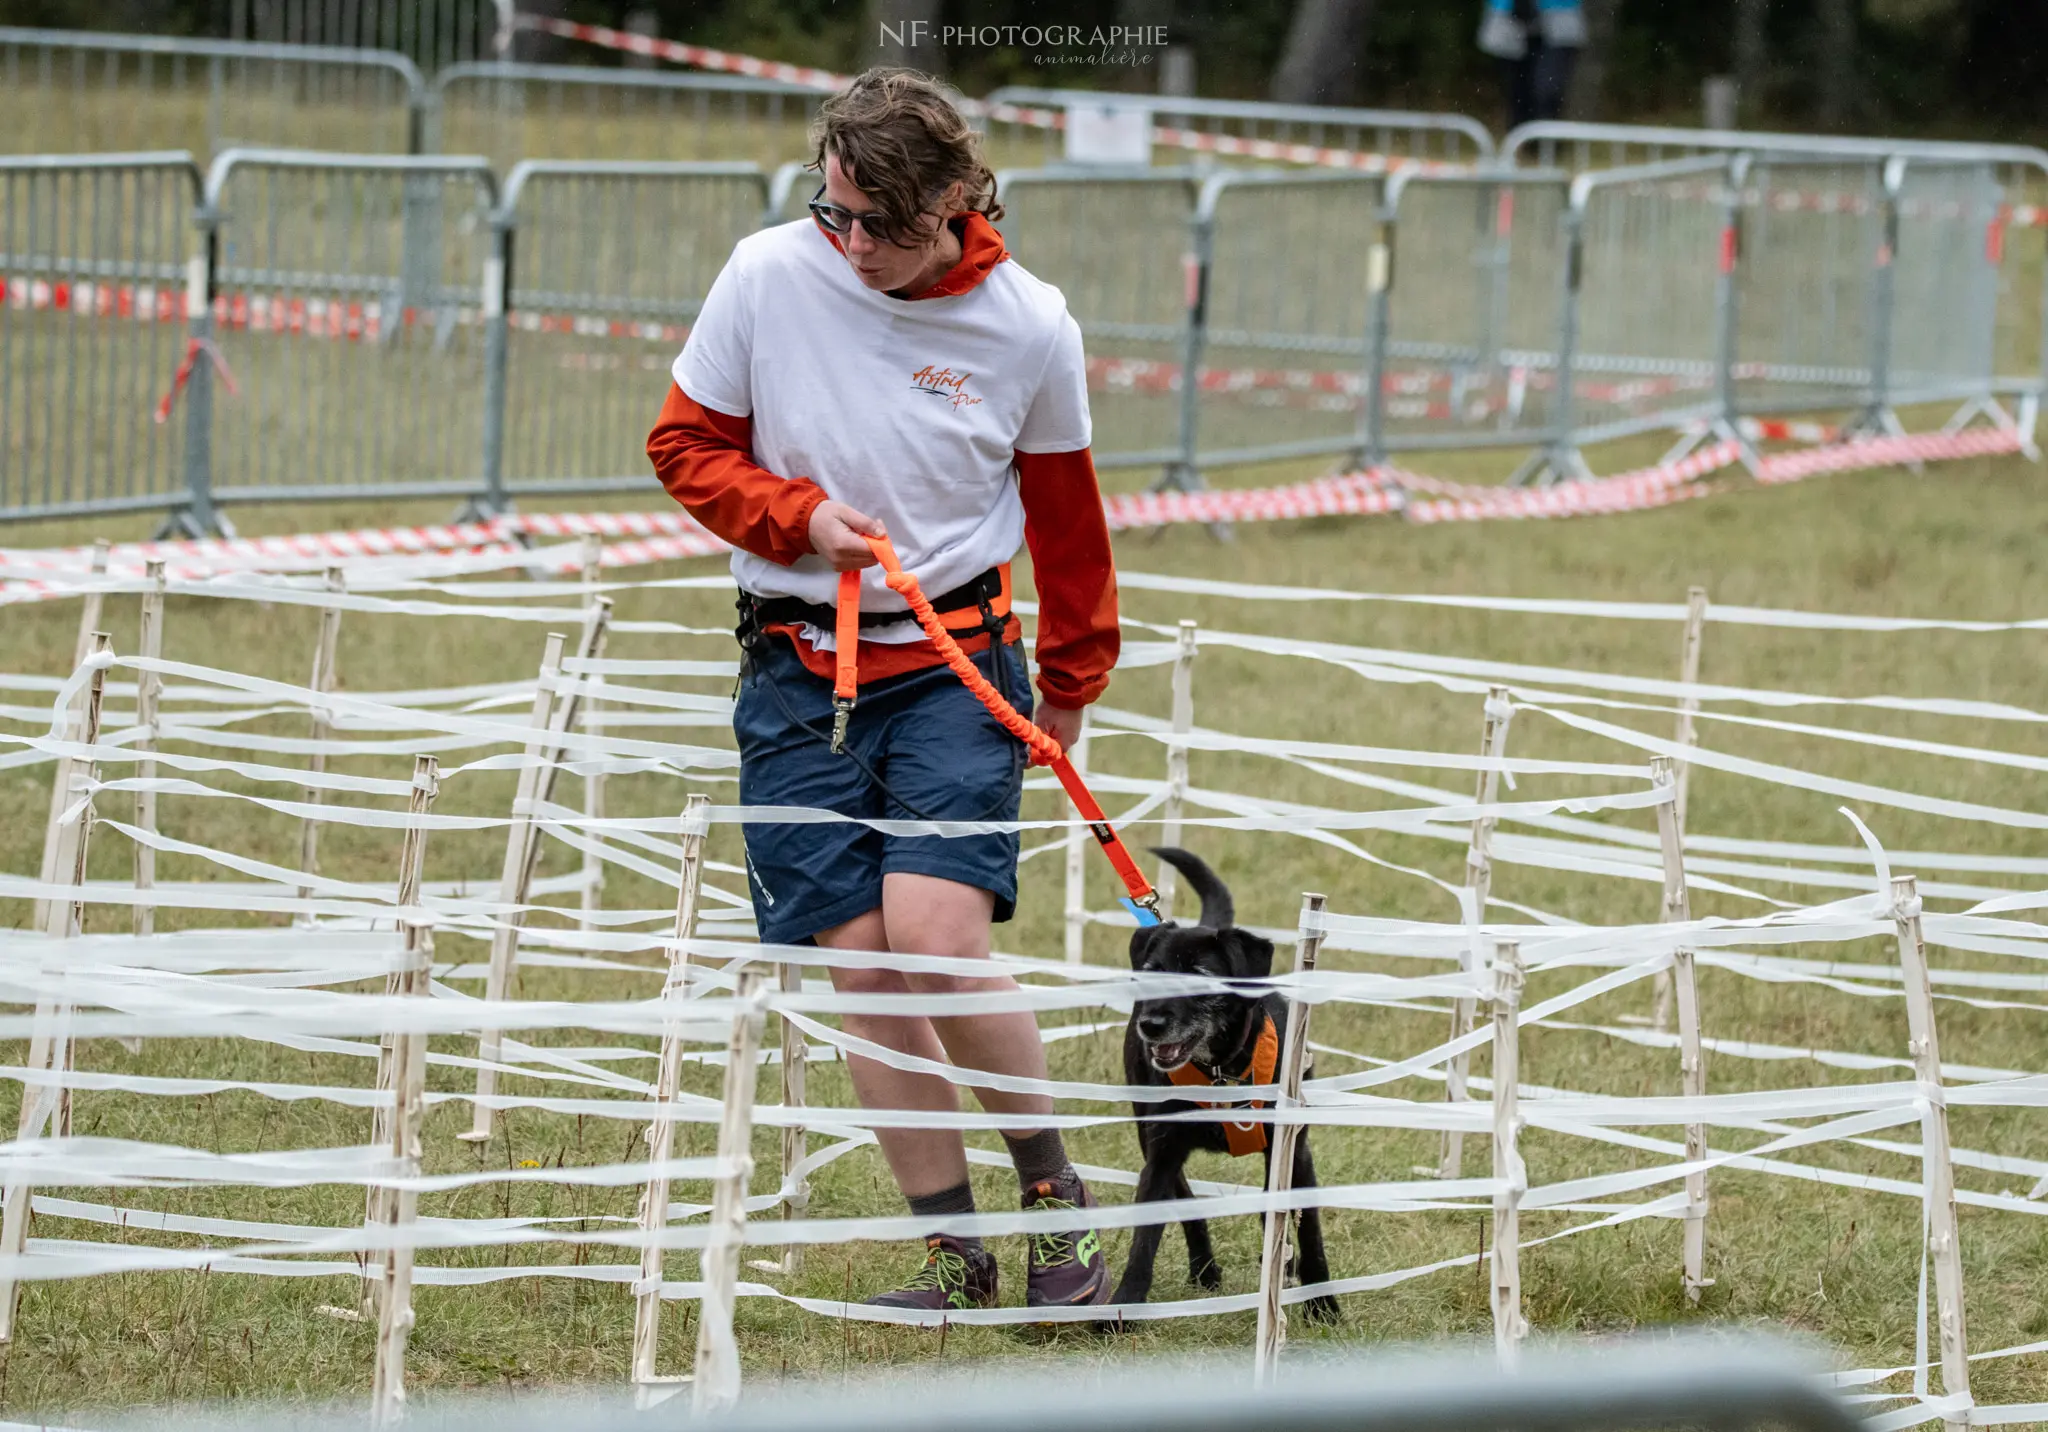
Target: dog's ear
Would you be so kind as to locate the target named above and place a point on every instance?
(1141, 941)
(1251, 956)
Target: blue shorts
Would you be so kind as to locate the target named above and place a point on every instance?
(934, 746)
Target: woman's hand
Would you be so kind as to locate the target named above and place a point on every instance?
(1063, 725)
(839, 533)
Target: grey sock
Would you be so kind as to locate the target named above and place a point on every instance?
(958, 1199)
(1040, 1157)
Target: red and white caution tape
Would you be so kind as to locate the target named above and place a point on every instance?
(195, 348)
(662, 536)
(826, 81)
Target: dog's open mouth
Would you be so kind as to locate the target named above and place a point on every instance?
(1166, 1057)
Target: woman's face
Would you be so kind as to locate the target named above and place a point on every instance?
(905, 264)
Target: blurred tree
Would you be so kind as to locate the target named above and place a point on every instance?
(1324, 54)
(1835, 44)
(1588, 98)
(1751, 59)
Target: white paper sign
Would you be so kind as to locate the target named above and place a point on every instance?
(1109, 132)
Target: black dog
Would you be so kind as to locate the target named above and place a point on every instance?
(1207, 1039)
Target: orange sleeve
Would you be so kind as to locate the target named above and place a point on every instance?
(706, 461)
(1064, 526)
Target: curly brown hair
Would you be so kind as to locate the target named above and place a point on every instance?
(900, 138)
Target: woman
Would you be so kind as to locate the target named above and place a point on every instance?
(884, 367)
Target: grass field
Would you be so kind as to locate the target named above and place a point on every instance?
(1964, 540)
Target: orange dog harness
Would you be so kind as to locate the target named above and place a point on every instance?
(1142, 901)
(1245, 1138)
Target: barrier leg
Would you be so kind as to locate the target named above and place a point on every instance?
(400, 1206)
(1176, 764)
(1925, 1048)
(1479, 880)
(1077, 861)
(718, 1355)
(321, 682)
(1688, 708)
(1692, 1068)
(1509, 1326)
(661, 1133)
(60, 788)
(1272, 1332)
(50, 1042)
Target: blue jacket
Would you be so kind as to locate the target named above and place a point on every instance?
(1560, 23)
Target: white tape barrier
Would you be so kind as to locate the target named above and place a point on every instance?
(245, 984)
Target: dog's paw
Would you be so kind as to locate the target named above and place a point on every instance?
(1206, 1274)
(1322, 1311)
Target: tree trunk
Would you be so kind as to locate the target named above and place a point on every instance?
(1751, 62)
(904, 32)
(1835, 38)
(1143, 77)
(1589, 78)
(1324, 54)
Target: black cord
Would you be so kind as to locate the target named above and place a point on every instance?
(881, 785)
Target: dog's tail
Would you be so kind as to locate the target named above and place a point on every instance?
(1218, 910)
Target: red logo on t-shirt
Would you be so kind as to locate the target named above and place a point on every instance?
(944, 383)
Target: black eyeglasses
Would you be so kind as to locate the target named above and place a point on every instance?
(839, 220)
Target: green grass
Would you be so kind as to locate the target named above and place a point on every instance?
(1964, 540)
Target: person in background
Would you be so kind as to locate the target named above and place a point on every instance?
(1537, 42)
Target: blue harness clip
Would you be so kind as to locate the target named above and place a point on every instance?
(1138, 912)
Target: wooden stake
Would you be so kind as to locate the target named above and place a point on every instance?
(718, 1355)
(661, 1134)
(1272, 1333)
(1689, 673)
(1493, 740)
(1509, 1326)
(522, 839)
(320, 683)
(1177, 763)
(1077, 859)
(1688, 707)
(1692, 1067)
(397, 1208)
(1925, 1049)
(795, 1138)
(593, 784)
(60, 787)
(50, 1042)
(149, 686)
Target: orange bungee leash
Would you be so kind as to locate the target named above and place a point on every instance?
(1142, 901)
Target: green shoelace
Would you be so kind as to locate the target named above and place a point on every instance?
(944, 1271)
(1053, 1250)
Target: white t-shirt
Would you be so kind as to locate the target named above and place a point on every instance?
(909, 410)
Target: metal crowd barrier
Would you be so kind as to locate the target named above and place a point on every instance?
(393, 328)
(601, 269)
(1466, 305)
(1246, 129)
(95, 259)
(69, 91)
(344, 295)
(1113, 242)
(1278, 316)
